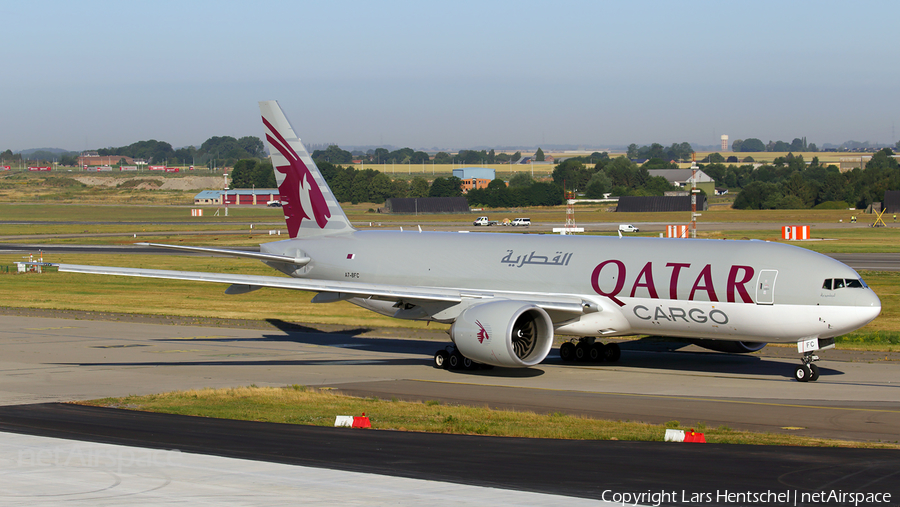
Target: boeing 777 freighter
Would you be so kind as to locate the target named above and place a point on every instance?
(507, 295)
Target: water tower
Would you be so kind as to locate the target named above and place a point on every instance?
(724, 142)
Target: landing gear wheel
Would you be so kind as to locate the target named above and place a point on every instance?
(567, 351)
(455, 361)
(468, 364)
(598, 350)
(802, 373)
(581, 351)
(441, 358)
(612, 352)
(814, 373)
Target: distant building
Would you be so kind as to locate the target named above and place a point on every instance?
(724, 139)
(633, 204)
(530, 160)
(892, 201)
(481, 173)
(92, 158)
(474, 177)
(422, 205)
(238, 196)
(684, 178)
(470, 183)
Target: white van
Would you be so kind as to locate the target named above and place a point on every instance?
(628, 228)
(525, 222)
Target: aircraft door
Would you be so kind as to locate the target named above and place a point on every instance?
(765, 287)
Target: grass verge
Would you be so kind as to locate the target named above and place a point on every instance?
(302, 405)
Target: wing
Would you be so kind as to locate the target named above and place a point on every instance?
(345, 290)
(300, 261)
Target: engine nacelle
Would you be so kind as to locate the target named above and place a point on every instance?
(729, 346)
(504, 333)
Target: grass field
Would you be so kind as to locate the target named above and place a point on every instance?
(72, 291)
(299, 405)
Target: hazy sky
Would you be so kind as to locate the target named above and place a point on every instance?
(89, 74)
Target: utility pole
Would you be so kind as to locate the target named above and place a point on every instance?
(694, 192)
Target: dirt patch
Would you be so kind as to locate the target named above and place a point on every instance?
(183, 183)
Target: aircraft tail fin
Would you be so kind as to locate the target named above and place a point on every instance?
(310, 208)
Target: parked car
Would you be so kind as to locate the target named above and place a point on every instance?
(521, 222)
(628, 228)
(274, 204)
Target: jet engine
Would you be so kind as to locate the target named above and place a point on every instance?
(503, 333)
(729, 346)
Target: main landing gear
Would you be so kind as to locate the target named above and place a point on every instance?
(450, 359)
(808, 371)
(587, 349)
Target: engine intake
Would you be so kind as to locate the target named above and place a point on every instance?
(512, 334)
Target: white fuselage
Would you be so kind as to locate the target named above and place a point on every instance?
(726, 290)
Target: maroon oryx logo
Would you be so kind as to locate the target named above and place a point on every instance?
(482, 333)
(299, 191)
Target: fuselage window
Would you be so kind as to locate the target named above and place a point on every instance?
(827, 284)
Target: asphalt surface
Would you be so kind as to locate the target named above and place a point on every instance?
(575, 468)
(45, 360)
(52, 359)
(48, 359)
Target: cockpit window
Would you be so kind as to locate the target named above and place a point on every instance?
(840, 283)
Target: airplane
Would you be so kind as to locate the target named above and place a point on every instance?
(507, 295)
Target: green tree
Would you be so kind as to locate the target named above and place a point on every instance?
(333, 154)
(758, 195)
(539, 155)
(752, 145)
(598, 185)
(446, 187)
(380, 155)
(632, 151)
(381, 187)
(399, 188)
(657, 185)
(572, 174)
(656, 151)
(242, 174)
(520, 180)
(442, 158)
(715, 158)
(418, 187)
(419, 157)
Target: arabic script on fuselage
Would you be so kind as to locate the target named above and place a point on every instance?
(560, 259)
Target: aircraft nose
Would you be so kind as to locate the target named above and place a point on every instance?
(870, 306)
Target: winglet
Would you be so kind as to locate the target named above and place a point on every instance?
(310, 208)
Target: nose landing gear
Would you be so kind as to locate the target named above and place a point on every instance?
(808, 371)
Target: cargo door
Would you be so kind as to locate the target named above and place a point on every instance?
(765, 287)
